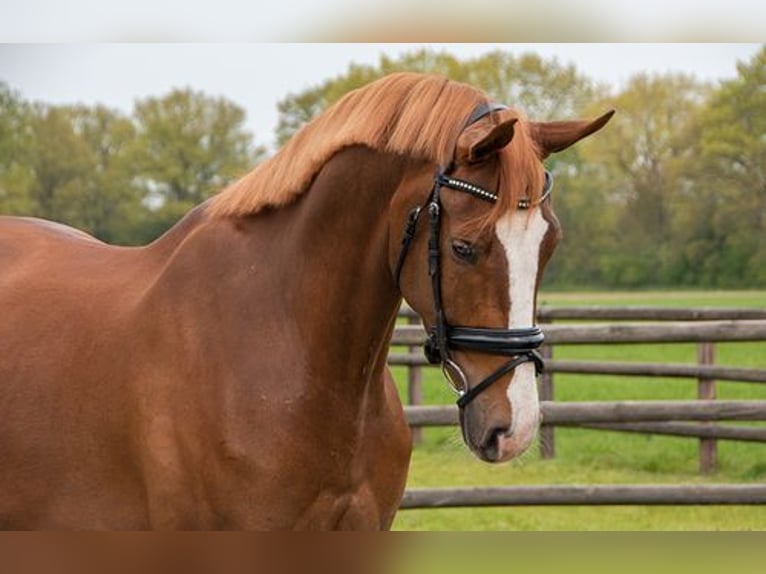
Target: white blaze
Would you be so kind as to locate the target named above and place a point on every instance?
(521, 233)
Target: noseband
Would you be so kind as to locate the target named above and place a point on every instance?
(519, 344)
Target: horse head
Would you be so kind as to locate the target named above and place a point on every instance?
(472, 270)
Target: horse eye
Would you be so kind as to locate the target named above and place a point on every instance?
(464, 250)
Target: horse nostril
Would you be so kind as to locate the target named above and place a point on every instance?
(490, 447)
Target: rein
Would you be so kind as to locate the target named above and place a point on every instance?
(519, 344)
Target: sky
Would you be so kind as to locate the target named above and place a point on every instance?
(257, 75)
(373, 20)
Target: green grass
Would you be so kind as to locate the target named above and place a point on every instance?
(600, 457)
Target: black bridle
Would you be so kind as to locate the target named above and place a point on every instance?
(519, 344)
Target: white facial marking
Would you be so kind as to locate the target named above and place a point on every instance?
(521, 233)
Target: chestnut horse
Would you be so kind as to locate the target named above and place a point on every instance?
(232, 374)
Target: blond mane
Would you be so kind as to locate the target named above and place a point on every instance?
(410, 114)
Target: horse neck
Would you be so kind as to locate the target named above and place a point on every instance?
(341, 288)
(316, 271)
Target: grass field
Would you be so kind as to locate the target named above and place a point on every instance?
(599, 457)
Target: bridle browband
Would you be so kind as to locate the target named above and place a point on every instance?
(519, 344)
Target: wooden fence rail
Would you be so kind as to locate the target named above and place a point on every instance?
(676, 332)
(718, 432)
(603, 313)
(585, 495)
(634, 313)
(611, 412)
(620, 368)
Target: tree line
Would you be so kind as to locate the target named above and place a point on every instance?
(671, 193)
(124, 178)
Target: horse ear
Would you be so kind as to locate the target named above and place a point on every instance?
(552, 137)
(497, 138)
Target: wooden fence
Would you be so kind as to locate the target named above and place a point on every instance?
(694, 418)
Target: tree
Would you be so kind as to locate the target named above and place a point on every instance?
(15, 117)
(190, 145)
(124, 179)
(543, 88)
(723, 220)
(640, 154)
(107, 200)
(69, 164)
(59, 160)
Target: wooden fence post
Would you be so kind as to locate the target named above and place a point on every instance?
(415, 385)
(547, 438)
(706, 390)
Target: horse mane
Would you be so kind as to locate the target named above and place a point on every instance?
(406, 113)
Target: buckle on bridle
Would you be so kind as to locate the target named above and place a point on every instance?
(431, 350)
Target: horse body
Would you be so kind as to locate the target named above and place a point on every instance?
(233, 374)
(177, 375)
